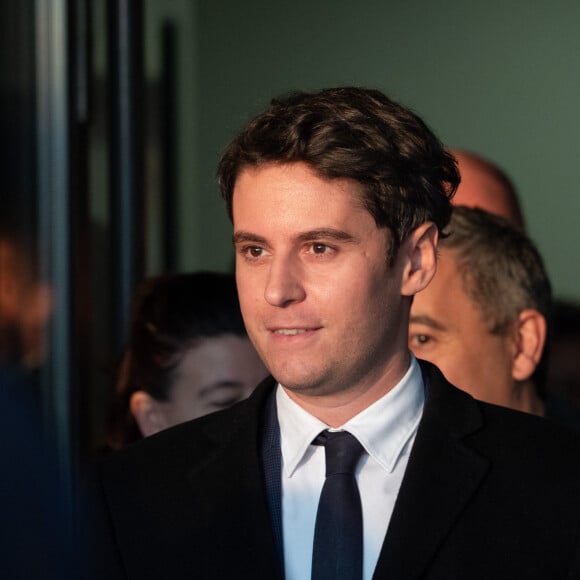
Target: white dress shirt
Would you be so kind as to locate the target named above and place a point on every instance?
(386, 430)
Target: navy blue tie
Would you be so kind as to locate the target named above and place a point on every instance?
(338, 533)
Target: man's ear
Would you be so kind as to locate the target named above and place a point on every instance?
(147, 412)
(420, 253)
(530, 338)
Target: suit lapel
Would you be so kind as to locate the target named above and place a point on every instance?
(442, 475)
(441, 478)
(231, 496)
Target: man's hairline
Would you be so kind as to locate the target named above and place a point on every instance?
(361, 187)
(470, 287)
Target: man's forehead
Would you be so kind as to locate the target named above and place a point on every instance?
(288, 189)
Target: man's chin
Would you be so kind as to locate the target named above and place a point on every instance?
(297, 383)
(305, 387)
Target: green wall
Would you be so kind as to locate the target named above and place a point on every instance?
(501, 78)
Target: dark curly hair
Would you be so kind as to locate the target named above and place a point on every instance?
(408, 177)
(171, 313)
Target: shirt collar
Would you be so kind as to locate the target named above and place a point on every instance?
(383, 429)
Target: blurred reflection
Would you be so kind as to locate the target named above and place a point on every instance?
(25, 309)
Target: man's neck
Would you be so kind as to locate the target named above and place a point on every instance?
(526, 399)
(336, 409)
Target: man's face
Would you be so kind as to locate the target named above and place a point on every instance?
(319, 301)
(448, 329)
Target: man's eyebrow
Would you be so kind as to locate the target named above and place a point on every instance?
(318, 234)
(427, 321)
(325, 234)
(241, 237)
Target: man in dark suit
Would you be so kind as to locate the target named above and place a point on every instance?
(353, 460)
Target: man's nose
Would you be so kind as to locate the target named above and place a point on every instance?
(284, 285)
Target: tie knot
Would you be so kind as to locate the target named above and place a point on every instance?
(342, 451)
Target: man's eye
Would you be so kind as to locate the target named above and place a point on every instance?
(420, 339)
(253, 251)
(319, 248)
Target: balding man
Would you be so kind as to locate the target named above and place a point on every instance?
(486, 186)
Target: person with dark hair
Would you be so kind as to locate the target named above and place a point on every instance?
(188, 355)
(354, 460)
(484, 318)
(405, 176)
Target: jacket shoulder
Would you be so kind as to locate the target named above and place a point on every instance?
(499, 432)
(191, 441)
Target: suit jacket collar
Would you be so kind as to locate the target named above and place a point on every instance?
(236, 477)
(442, 476)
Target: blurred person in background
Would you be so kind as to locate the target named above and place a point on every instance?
(486, 186)
(484, 320)
(26, 305)
(187, 355)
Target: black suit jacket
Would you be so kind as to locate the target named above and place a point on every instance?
(488, 493)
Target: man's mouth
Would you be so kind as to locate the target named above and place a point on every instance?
(290, 331)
